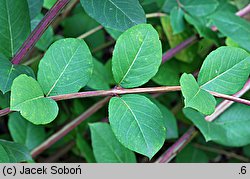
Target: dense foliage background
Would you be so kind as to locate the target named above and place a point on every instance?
(197, 46)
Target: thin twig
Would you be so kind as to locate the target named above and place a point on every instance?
(114, 92)
(222, 152)
(244, 11)
(69, 127)
(92, 31)
(38, 31)
(29, 62)
(172, 52)
(4, 112)
(231, 98)
(226, 104)
(105, 45)
(59, 153)
(96, 29)
(156, 14)
(178, 146)
(121, 91)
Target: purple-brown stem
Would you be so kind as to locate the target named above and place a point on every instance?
(178, 145)
(121, 91)
(172, 52)
(38, 31)
(4, 112)
(226, 104)
(244, 11)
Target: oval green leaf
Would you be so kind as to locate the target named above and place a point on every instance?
(66, 67)
(115, 14)
(107, 149)
(225, 70)
(137, 56)
(137, 123)
(28, 98)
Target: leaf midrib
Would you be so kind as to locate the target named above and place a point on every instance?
(66, 66)
(29, 100)
(199, 89)
(10, 29)
(136, 56)
(121, 11)
(137, 122)
(222, 73)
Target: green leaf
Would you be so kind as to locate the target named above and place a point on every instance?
(24, 132)
(191, 154)
(15, 25)
(85, 149)
(195, 97)
(199, 7)
(11, 152)
(225, 70)
(115, 14)
(137, 123)
(168, 74)
(66, 67)
(35, 7)
(28, 98)
(137, 56)
(234, 27)
(177, 20)
(107, 149)
(99, 79)
(9, 72)
(231, 128)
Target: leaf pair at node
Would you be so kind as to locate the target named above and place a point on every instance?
(65, 68)
(225, 70)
